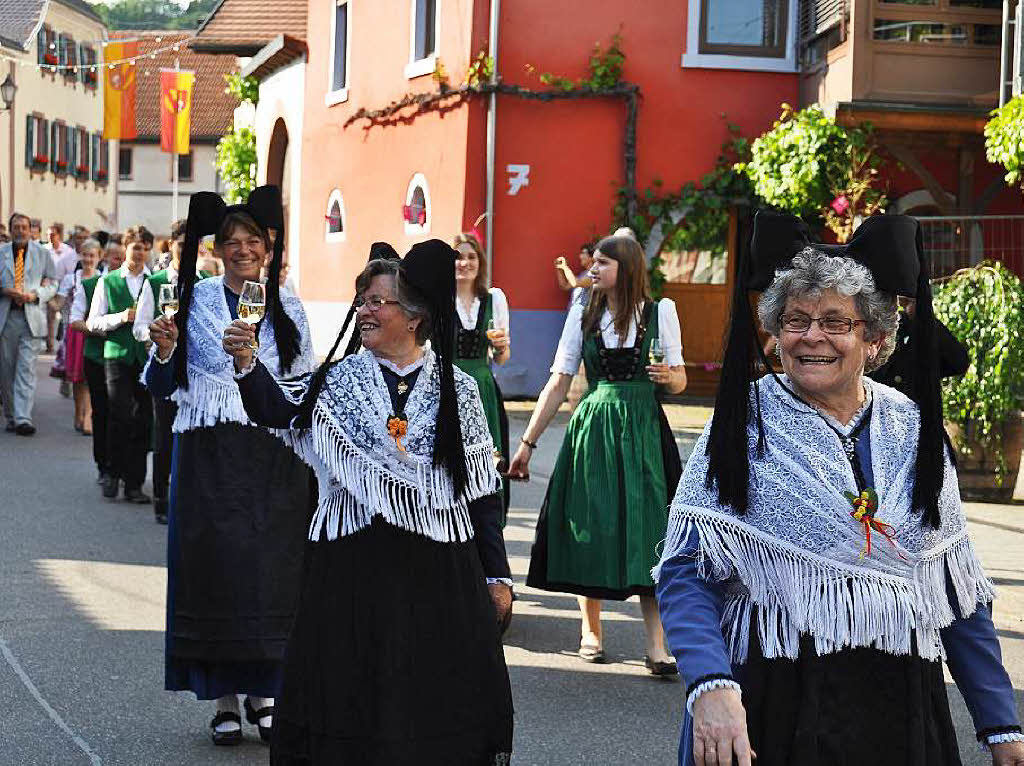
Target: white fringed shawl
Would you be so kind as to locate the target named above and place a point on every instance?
(361, 471)
(212, 396)
(795, 554)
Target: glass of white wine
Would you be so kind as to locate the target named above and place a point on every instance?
(656, 353)
(493, 331)
(168, 300)
(252, 306)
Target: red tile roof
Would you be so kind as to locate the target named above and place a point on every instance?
(243, 27)
(212, 108)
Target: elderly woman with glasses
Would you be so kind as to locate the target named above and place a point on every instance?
(813, 581)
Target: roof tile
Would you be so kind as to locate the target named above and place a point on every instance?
(253, 23)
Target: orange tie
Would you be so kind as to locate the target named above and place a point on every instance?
(19, 271)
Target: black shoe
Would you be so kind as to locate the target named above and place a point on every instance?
(101, 476)
(229, 738)
(254, 716)
(661, 669)
(110, 486)
(136, 496)
(160, 510)
(9, 428)
(24, 429)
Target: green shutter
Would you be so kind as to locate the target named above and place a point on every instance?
(29, 139)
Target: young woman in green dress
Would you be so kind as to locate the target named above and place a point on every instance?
(482, 337)
(606, 507)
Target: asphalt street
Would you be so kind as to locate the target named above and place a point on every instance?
(82, 583)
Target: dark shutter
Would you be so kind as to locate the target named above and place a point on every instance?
(54, 142)
(95, 157)
(819, 16)
(44, 131)
(30, 138)
(40, 45)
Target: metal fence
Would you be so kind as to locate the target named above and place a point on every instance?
(959, 242)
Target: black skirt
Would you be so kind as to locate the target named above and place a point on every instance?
(852, 708)
(395, 657)
(537, 575)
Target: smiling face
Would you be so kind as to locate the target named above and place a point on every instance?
(89, 257)
(115, 256)
(819, 364)
(243, 253)
(467, 266)
(604, 272)
(385, 332)
(136, 253)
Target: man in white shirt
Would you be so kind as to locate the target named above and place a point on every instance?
(64, 261)
(130, 415)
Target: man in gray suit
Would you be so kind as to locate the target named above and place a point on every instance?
(27, 282)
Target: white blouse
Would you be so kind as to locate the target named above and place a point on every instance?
(570, 346)
(499, 311)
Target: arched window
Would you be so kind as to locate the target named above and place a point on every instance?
(334, 224)
(416, 211)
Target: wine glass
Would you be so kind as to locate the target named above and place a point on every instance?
(656, 353)
(252, 306)
(493, 331)
(168, 300)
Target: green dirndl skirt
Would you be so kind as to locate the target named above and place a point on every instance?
(606, 508)
(494, 411)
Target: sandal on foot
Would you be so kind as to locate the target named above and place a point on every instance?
(592, 653)
(226, 737)
(254, 716)
(661, 669)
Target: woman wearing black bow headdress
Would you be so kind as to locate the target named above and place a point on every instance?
(818, 561)
(395, 655)
(234, 543)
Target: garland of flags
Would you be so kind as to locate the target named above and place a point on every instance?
(131, 60)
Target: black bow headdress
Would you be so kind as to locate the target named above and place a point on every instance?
(206, 212)
(890, 247)
(429, 269)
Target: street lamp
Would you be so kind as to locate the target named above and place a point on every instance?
(7, 91)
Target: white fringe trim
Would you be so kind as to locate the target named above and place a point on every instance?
(718, 683)
(360, 487)
(998, 739)
(797, 592)
(207, 402)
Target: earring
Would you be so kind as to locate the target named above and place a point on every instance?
(411, 328)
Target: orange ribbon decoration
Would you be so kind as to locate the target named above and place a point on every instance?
(864, 512)
(397, 428)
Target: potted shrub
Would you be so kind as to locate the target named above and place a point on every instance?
(984, 308)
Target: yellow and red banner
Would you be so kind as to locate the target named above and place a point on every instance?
(175, 109)
(119, 91)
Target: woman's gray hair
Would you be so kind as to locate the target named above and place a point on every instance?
(91, 244)
(409, 300)
(811, 273)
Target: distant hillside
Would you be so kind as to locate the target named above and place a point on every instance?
(154, 14)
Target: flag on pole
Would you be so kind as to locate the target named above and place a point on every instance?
(175, 109)
(119, 91)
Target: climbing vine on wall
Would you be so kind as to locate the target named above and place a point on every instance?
(236, 151)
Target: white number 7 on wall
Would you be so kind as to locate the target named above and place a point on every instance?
(518, 177)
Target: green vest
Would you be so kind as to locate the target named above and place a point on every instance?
(121, 344)
(93, 349)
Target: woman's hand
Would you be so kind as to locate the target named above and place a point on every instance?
(239, 337)
(1007, 754)
(499, 340)
(519, 469)
(560, 262)
(164, 333)
(672, 378)
(501, 595)
(720, 729)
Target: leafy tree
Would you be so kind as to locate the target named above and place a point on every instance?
(236, 152)
(154, 14)
(1004, 139)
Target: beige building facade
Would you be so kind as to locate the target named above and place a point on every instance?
(54, 163)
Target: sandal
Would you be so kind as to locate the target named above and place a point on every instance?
(661, 669)
(254, 716)
(226, 737)
(592, 653)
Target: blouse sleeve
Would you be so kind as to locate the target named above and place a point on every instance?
(670, 333)
(145, 313)
(67, 285)
(78, 307)
(499, 308)
(570, 345)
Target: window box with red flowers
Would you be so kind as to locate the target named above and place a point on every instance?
(101, 175)
(90, 78)
(51, 59)
(40, 160)
(62, 166)
(82, 171)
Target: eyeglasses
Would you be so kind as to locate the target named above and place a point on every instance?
(232, 246)
(374, 304)
(829, 325)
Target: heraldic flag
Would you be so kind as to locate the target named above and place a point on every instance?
(175, 109)
(119, 91)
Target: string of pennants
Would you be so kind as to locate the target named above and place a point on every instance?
(110, 64)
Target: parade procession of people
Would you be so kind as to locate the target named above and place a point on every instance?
(337, 574)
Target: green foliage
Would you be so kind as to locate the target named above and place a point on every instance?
(984, 308)
(704, 207)
(1004, 139)
(243, 88)
(154, 14)
(480, 71)
(236, 163)
(605, 69)
(806, 162)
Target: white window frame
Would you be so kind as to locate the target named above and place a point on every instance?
(419, 67)
(694, 59)
(414, 229)
(340, 95)
(335, 236)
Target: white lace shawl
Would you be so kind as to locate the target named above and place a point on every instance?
(212, 396)
(795, 555)
(360, 469)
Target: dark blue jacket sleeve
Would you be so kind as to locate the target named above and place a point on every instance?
(485, 513)
(159, 378)
(691, 613)
(976, 664)
(264, 401)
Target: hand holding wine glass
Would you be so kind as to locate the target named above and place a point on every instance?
(168, 300)
(252, 306)
(497, 336)
(657, 370)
